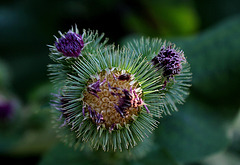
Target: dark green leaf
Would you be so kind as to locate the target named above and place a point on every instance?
(192, 133)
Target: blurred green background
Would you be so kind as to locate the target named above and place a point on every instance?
(206, 130)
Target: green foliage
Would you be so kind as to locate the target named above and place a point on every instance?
(29, 130)
(61, 155)
(4, 75)
(192, 133)
(181, 18)
(214, 58)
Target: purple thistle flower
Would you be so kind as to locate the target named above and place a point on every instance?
(6, 110)
(70, 45)
(99, 118)
(95, 87)
(124, 102)
(61, 105)
(96, 117)
(120, 110)
(128, 99)
(170, 60)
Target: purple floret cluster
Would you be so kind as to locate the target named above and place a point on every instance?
(170, 60)
(70, 45)
(94, 88)
(6, 110)
(96, 117)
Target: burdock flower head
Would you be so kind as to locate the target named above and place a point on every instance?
(107, 98)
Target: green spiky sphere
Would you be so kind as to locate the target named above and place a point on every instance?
(108, 97)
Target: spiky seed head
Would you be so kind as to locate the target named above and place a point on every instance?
(70, 44)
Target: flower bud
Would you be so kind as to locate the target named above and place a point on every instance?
(70, 44)
(169, 59)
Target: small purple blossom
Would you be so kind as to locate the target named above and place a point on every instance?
(70, 45)
(6, 110)
(96, 117)
(94, 88)
(124, 102)
(61, 104)
(170, 60)
(128, 99)
(120, 110)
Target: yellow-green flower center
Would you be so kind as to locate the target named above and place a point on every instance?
(114, 100)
